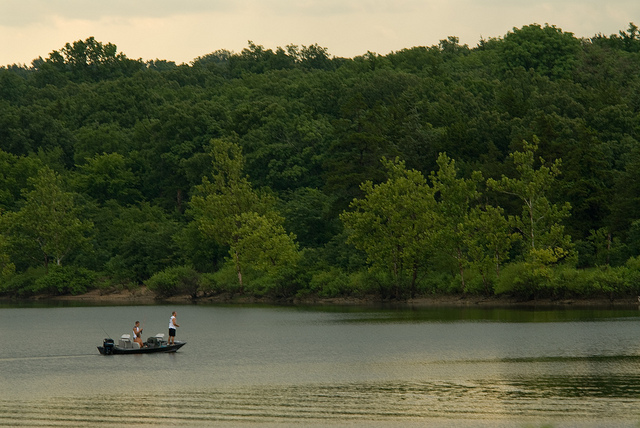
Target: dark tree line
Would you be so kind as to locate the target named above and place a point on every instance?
(512, 166)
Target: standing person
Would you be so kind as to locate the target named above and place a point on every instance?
(137, 334)
(172, 328)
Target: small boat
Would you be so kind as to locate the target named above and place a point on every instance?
(125, 345)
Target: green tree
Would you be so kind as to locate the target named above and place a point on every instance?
(14, 173)
(6, 265)
(394, 224)
(625, 201)
(139, 240)
(107, 176)
(47, 227)
(91, 59)
(227, 209)
(455, 198)
(540, 221)
(265, 243)
(548, 50)
(307, 214)
(489, 240)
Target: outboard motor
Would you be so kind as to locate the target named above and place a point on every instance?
(107, 344)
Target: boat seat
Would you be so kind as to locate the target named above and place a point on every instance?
(135, 345)
(125, 341)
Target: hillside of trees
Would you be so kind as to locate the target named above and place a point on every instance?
(511, 167)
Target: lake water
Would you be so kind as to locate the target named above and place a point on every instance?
(323, 366)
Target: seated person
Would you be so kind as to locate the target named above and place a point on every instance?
(137, 334)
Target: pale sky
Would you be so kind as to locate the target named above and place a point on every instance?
(181, 30)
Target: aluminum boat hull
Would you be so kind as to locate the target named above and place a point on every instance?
(116, 350)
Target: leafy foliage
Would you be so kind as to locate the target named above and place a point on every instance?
(395, 224)
(65, 280)
(228, 210)
(175, 280)
(47, 226)
(266, 163)
(539, 223)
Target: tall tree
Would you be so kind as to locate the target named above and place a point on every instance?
(489, 239)
(455, 197)
(394, 224)
(90, 59)
(47, 227)
(139, 239)
(548, 50)
(14, 173)
(6, 265)
(540, 221)
(228, 210)
(107, 176)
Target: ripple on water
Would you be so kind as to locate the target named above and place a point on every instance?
(498, 403)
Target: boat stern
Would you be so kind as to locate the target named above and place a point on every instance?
(107, 347)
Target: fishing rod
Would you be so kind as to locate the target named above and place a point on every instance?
(105, 332)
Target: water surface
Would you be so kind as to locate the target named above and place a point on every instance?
(318, 366)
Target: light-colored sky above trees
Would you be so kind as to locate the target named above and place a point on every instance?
(183, 30)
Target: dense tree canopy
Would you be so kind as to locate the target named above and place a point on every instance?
(260, 171)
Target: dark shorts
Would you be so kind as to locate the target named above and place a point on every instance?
(172, 332)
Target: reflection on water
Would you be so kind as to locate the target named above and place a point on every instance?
(591, 401)
(299, 366)
(469, 314)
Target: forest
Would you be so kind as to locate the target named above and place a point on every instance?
(510, 168)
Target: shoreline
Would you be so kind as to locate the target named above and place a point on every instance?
(143, 296)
